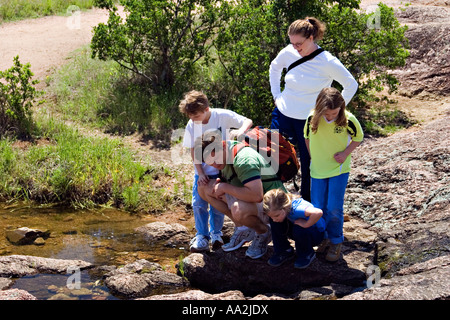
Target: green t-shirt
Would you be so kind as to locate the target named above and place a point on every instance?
(327, 141)
(249, 165)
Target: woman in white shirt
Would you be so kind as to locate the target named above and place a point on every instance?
(302, 86)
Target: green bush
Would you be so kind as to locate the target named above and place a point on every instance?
(159, 40)
(17, 95)
(256, 33)
(225, 47)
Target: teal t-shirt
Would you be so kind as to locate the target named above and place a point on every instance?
(249, 165)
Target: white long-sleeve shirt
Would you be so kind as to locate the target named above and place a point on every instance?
(304, 82)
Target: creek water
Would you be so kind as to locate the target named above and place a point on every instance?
(103, 237)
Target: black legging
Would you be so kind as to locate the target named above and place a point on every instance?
(293, 130)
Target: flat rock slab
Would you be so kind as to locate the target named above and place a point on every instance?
(19, 265)
(423, 281)
(16, 294)
(173, 234)
(142, 278)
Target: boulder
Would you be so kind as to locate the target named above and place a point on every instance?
(25, 235)
(16, 294)
(221, 271)
(198, 295)
(5, 283)
(172, 235)
(423, 281)
(141, 278)
(401, 177)
(19, 265)
(427, 69)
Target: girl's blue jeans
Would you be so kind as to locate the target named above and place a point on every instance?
(328, 195)
(202, 215)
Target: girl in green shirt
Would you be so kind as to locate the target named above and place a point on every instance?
(331, 134)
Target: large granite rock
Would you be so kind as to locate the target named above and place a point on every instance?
(423, 281)
(170, 234)
(427, 70)
(142, 278)
(16, 294)
(19, 265)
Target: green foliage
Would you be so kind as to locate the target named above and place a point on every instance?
(256, 33)
(107, 97)
(172, 44)
(367, 51)
(17, 95)
(21, 9)
(159, 40)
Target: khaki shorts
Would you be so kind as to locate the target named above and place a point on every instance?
(264, 218)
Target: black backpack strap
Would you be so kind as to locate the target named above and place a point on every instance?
(305, 58)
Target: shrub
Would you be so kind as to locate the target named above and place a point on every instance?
(256, 33)
(17, 95)
(159, 40)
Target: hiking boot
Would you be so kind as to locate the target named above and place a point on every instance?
(258, 248)
(323, 246)
(334, 252)
(238, 239)
(303, 262)
(216, 241)
(199, 244)
(278, 259)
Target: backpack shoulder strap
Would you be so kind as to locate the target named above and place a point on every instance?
(305, 58)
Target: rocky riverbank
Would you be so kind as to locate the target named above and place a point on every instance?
(398, 201)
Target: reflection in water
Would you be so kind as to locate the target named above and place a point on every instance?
(101, 237)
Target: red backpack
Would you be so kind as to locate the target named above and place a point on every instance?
(275, 148)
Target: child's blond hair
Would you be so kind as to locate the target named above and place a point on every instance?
(277, 199)
(193, 102)
(328, 99)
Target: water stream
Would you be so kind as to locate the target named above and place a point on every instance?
(101, 237)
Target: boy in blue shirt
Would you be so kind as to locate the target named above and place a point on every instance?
(298, 219)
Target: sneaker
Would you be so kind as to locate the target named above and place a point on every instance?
(303, 262)
(199, 244)
(334, 252)
(216, 241)
(238, 239)
(278, 259)
(258, 248)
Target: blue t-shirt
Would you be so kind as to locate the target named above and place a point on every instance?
(298, 211)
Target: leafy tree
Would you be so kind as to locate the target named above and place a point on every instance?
(257, 32)
(159, 40)
(17, 95)
(366, 49)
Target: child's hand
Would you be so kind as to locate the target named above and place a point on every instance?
(235, 134)
(202, 179)
(340, 157)
(217, 190)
